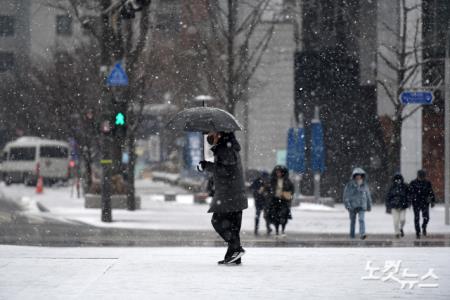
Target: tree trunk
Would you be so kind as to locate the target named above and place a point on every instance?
(232, 16)
(87, 158)
(394, 149)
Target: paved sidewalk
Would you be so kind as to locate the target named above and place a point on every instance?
(192, 273)
(185, 216)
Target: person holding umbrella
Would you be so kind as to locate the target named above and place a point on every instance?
(229, 198)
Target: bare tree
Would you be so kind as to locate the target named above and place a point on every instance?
(404, 61)
(120, 38)
(233, 47)
(59, 99)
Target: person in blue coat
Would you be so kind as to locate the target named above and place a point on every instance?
(357, 200)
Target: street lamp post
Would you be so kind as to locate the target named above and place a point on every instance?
(298, 175)
(207, 154)
(316, 175)
(447, 127)
(204, 99)
(106, 161)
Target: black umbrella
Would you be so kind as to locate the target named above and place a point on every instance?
(204, 119)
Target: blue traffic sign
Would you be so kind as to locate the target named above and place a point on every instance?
(117, 77)
(419, 97)
(295, 154)
(317, 148)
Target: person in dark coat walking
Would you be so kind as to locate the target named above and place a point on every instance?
(281, 193)
(261, 190)
(422, 196)
(229, 198)
(397, 201)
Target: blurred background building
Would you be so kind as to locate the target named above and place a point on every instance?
(336, 67)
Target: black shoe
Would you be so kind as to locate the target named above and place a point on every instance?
(402, 233)
(424, 231)
(235, 256)
(363, 237)
(222, 262)
(418, 236)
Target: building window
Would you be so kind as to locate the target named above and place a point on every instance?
(64, 25)
(6, 61)
(7, 25)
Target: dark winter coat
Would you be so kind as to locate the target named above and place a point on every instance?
(210, 186)
(279, 209)
(397, 196)
(261, 191)
(229, 188)
(421, 193)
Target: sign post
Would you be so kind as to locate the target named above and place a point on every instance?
(295, 155)
(447, 129)
(318, 152)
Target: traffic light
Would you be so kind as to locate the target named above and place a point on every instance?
(119, 119)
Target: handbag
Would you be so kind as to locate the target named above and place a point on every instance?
(287, 196)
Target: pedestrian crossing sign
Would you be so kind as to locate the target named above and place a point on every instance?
(117, 77)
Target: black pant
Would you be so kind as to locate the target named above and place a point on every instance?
(228, 226)
(425, 209)
(260, 210)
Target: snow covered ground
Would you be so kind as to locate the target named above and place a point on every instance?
(192, 273)
(185, 215)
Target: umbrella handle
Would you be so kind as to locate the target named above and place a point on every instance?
(200, 170)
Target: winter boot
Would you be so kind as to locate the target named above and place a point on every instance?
(402, 233)
(424, 231)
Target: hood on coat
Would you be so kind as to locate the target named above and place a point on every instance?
(281, 168)
(229, 140)
(398, 176)
(359, 171)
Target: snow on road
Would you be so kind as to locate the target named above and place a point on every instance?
(192, 273)
(184, 215)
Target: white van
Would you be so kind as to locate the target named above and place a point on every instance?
(24, 159)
